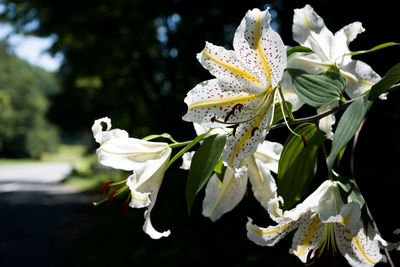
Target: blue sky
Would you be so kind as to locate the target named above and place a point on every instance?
(32, 49)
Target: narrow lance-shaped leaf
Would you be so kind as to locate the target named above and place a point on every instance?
(390, 78)
(202, 165)
(298, 163)
(318, 90)
(347, 127)
(375, 48)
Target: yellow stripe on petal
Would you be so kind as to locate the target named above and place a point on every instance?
(232, 68)
(360, 247)
(225, 101)
(259, 48)
(307, 240)
(272, 231)
(255, 124)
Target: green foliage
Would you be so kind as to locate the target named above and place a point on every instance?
(318, 90)
(202, 165)
(298, 51)
(24, 131)
(298, 163)
(390, 78)
(347, 127)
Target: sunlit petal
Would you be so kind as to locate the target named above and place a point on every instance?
(309, 30)
(326, 123)
(223, 63)
(307, 237)
(247, 137)
(216, 99)
(221, 198)
(359, 250)
(263, 184)
(272, 234)
(360, 78)
(260, 48)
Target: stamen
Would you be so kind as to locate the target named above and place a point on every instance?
(252, 131)
(111, 197)
(238, 107)
(232, 112)
(106, 187)
(303, 137)
(234, 129)
(310, 256)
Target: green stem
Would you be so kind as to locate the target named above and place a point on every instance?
(316, 118)
(285, 107)
(188, 145)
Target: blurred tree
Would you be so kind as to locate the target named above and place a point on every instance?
(135, 60)
(24, 130)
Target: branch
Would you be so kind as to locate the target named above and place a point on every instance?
(316, 118)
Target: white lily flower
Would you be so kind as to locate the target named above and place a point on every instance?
(329, 49)
(323, 221)
(222, 197)
(243, 91)
(147, 160)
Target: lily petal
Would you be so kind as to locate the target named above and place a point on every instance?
(144, 192)
(247, 137)
(272, 234)
(325, 124)
(288, 92)
(307, 237)
(360, 78)
(269, 153)
(215, 99)
(223, 63)
(309, 30)
(342, 39)
(263, 184)
(221, 199)
(359, 250)
(260, 48)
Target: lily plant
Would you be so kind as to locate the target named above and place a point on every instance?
(323, 222)
(147, 160)
(242, 95)
(256, 88)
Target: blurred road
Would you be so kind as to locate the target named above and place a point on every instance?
(42, 221)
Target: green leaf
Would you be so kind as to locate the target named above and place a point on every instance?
(375, 48)
(390, 78)
(278, 115)
(219, 169)
(297, 51)
(202, 165)
(187, 147)
(347, 127)
(318, 90)
(298, 163)
(350, 192)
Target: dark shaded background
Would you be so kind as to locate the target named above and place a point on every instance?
(134, 61)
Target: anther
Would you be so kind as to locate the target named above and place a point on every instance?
(213, 118)
(303, 137)
(253, 131)
(238, 107)
(111, 196)
(232, 112)
(106, 187)
(234, 129)
(309, 256)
